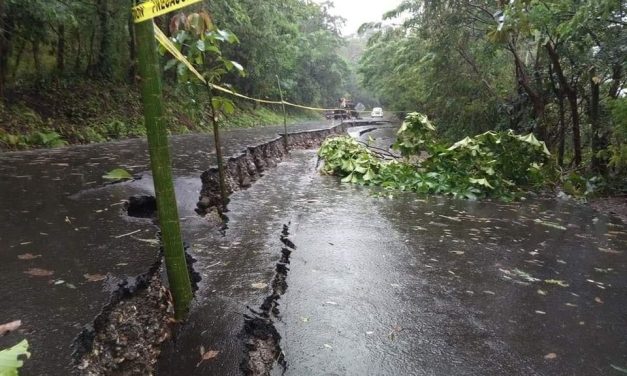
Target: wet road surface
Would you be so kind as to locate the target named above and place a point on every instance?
(410, 286)
(439, 287)
(377, 285)
(65, 241)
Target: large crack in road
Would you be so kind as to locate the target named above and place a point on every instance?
(263, 348)
(122, 339)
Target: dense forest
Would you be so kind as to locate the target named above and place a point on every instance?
(556, 68)
(64, 61)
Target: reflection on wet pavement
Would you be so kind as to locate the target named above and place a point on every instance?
(401, 286)
(411, 286)
(65, 241)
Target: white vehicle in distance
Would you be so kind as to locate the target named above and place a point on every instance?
(377, 112)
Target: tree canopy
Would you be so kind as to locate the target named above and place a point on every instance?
(297, 40)
(554, 67)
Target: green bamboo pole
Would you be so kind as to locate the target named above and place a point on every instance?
(218, 146)
(150, 73)
(287, 150)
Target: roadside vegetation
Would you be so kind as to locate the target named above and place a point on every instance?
(501, 164)
(552, 68)
(68, 69)
(95, 111)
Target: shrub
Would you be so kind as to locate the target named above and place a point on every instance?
(416, 135)
(492, 164)
(346, 157)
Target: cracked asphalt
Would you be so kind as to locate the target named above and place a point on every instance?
(411, 285)
(377, 285)
(65, 241)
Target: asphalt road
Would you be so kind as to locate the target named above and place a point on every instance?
(376, 285)
(409, 285)
(65, 241)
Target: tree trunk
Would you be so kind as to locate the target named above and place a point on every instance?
(4, 50)
(599, 137)
(36, 58)
(90, 58)
(61, 50)
(104, 68)
(571, 95)
(18, 60)
(617, 74)
(132, 47)
(285, 136)
(561, 133)
(219, 158)
(536, 97)
(574, 113)
(155, 121)
(561, 130)
(77, 59)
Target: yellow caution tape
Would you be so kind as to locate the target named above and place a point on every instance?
(170, 47)
(151, 9)
(167, 44)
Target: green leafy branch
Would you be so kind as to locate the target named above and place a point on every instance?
(197, 37)
(492, 164)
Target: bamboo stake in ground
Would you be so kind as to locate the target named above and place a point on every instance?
(218, 145)
(284, 114)
(149, 72)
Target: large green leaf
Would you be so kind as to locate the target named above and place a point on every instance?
(200, 45)
(483, 182)
(223, 105)
(462, 143)
(10, 360)
(532, 140)
(118, 174)
(348, 178)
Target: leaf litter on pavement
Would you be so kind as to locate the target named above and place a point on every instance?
(10, 327)
(207, 355)
(94, 277)
(38, 272)
(557, 282)
(550, 224)
(518, 276)
(117, 174)
(259, 285)
(11, 358)
(28, 256)
(619, 369)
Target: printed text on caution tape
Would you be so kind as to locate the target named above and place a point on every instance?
(151, 9)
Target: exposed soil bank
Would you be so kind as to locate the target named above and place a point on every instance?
(244, 168)
(125, 338)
